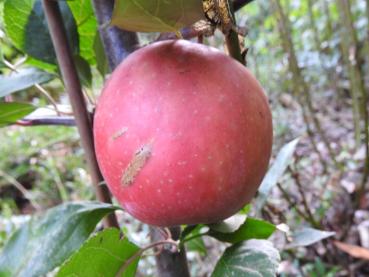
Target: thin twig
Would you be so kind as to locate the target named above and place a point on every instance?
(38, 86)
(21, 188)
(48, 96)
(168, 233)
(141, 251)
(295, 175)
(233, 46)
(291, 202)
(57, 121)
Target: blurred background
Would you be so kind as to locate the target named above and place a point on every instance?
(312, 58)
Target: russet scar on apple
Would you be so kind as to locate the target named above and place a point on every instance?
(120, 133)
(136, 164)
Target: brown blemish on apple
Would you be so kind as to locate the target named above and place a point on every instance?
(120, 133)
(137, 163)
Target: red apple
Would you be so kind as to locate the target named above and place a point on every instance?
(183, 134)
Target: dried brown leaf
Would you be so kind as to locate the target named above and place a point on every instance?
(353, 250)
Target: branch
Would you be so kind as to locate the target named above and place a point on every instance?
(28, 195)
(296, 176)
(73, 86)
(37, 86)
(56, 121)
(233, 44)
(118, 44)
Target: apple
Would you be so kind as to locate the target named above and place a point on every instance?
(183, 134)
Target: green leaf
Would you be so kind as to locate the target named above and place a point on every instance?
(53, 68)
(307, 236)
(245, 210)
(276, 171)
(102, 255)
(189, 230)
(2, 65)
(253, 258)
(84, 16)
(83, 71)
(47, 240)
(26, 25)
(10, 112)
(197, 245)
(101, 60)
(252, 228)
(156, 15)
(22, 79)
(196, 242)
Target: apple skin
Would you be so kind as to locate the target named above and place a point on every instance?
(183, 134)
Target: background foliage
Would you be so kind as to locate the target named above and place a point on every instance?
(310, 56)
